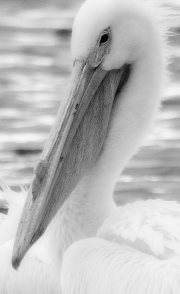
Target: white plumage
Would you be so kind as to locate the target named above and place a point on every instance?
(153, 226)
(9, 224)
(137, 36)
(137, 250)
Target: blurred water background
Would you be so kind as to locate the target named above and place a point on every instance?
(35, 64)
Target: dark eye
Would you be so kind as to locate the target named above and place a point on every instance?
(104, 38)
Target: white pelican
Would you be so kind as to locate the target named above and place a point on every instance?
(120, 56)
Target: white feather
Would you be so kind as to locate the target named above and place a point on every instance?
(10, 222)
(115, 262)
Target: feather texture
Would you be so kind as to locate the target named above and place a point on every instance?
(136, 251)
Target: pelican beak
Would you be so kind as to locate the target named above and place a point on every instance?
(74, 144)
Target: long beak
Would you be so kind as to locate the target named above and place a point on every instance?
(74, 144)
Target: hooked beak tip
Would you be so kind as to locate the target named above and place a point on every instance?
(20, 250)
(16, 262)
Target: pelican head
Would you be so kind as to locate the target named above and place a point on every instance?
(111, 99)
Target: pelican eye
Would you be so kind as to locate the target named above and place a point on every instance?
(104, 38)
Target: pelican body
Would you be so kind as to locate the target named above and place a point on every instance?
(136, 250)
(120, 56)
